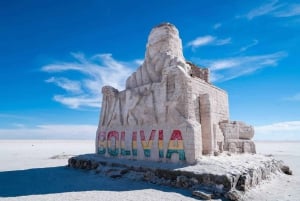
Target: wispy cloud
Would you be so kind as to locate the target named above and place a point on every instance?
(208, 40)
(15, 117)
(275, 9)
(217, 25)
(201, 41)
(51, 131)
(95, 71)
(223, 41)
(246, 47)
(295, 97)
(68, 85)
(289, 11)
(139, 61)
(263, 9)
(12, 116)
(230, 68)
(289, 130)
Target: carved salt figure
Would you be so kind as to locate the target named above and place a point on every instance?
(169, 110)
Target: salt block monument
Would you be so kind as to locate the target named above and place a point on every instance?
(169, 111)
(170, 125)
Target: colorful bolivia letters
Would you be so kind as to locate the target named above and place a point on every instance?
(113, 142)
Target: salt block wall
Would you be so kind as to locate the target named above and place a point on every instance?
(211, 106)
(166, 143)
(150, 122)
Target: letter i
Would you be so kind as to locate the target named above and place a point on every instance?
(134, 143)
(161, 143)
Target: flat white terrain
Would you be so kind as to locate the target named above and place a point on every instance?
(35, 170)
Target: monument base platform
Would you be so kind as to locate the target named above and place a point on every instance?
(226, 175)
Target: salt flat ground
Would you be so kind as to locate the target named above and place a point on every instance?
(35, 170)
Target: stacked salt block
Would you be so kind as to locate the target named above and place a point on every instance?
(169, 111)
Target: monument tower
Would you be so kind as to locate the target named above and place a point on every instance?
(169, 110)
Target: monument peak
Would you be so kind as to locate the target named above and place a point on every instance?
(169, 111)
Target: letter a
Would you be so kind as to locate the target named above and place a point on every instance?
(176, 145)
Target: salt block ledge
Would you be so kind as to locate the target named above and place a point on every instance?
(227, 175)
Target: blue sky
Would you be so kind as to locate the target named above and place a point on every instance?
(56, 55)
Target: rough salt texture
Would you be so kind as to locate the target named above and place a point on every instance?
(220, 176)
(169, 111)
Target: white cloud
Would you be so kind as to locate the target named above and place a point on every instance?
(278, 131)
(18, 125)
(139, 61)
(273, 8)
(295, 97)
(208, 40)
(223, 41)
(75, 102)
(96, 71)
(13, 116)
(225, 63)
(217, 25)
(201, 41)
(51, 131)
(289, 11)
(68, 85)
(263, 9)
(230, 68)
(246, 47)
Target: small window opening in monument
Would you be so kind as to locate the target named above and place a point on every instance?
(220, 145)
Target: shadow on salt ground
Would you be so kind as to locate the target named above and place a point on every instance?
(62, 179)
